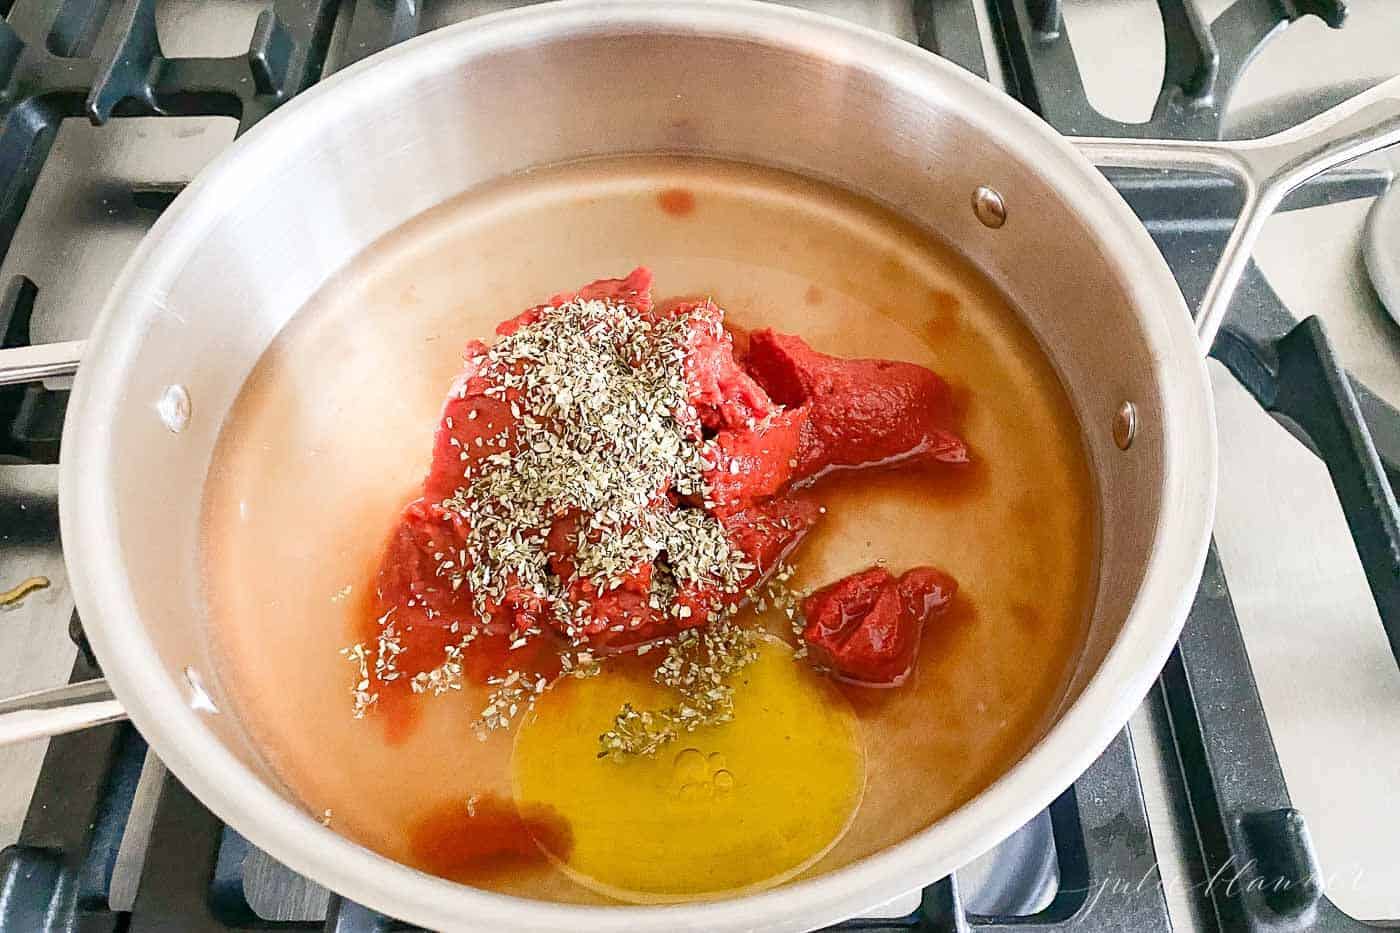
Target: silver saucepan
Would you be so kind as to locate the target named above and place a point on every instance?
(267, 223)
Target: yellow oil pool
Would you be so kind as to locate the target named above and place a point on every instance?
(734, 807)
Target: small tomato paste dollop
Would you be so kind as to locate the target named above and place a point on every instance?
(866, 627)
(476, 839)
(607, 473)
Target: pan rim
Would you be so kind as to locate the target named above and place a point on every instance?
(241, 798)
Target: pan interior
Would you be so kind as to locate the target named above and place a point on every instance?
(330, 435)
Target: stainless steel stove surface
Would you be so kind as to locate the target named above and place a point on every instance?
(1325, 673)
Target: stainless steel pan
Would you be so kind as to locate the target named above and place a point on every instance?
(266, 224)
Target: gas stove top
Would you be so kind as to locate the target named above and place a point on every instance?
(1186, 821)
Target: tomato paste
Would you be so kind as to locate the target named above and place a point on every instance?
(715, 501)
(865, 628)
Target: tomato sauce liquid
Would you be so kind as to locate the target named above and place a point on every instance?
(332, 435)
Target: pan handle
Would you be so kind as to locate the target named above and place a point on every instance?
(43, 361)
(72, 707)
(58, 710)
(1266, 169)
(1297, 376)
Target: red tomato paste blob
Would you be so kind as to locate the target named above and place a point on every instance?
(678, 202)
(468, 841)
(863, 413)
(866, 627)
(786, 415)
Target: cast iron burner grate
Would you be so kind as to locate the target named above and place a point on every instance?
(68, 58)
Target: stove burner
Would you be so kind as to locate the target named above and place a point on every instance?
(1203, 62)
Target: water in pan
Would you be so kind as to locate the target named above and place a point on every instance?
(331, 436)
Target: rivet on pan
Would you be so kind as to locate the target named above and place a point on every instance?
(1125, 425)
(199, 697)
(174, 408)
(989, 207)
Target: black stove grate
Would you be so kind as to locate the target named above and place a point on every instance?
(69, 58)
(1203, 62)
